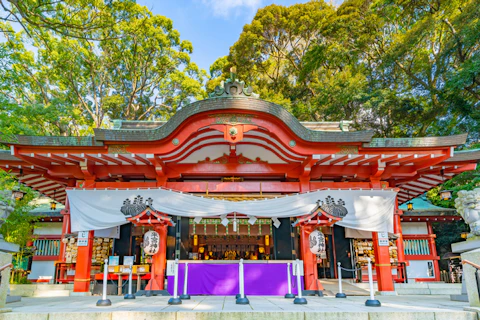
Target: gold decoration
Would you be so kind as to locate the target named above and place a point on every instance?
(118, 148)
(348, 150)
(232, 179)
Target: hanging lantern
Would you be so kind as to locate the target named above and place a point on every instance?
(317, 242)
(261, 250)
(201, 250)
(267, 240)
(151, 242)
(195, 240)
(409, 206)
(64, 240)
(446, 194)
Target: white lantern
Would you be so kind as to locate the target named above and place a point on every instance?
(317, 242)
(151, 242)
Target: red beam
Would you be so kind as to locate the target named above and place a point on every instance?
(49, 160)
(86, 156)
(110, 159)
(369, 160)
(338, 160)
(71, 156)
(145, 161)
(356, 159)
(127, 160)
(53, 156)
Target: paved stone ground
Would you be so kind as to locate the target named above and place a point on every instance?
(202, 307)
(347, 288)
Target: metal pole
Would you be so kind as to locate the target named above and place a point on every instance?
(300, 299)
(129, 295)
(175, 300)
(185, 295)
(242, 299)
(104, 302)
(372, 302)
(289, 294)
(340, 293)
(149, 293)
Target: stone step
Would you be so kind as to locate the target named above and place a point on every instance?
(258, 315)
(427, 288)
(428, 291)
(51, 293)
(428, 285)
(23, 290)
(42, 287)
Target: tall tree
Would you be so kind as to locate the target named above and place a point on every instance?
(269, 54)
(70, 18)
(139, 70)
(420, 60)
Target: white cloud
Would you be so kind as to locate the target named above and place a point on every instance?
(225, 8)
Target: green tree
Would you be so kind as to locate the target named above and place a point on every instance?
(269, 54)
(140, 69)
(69, 18)
(18, 226)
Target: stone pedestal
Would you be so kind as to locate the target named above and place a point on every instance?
(5, 258)
(469, 276)
(472, 243)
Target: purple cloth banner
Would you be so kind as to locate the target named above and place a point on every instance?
(261, 279)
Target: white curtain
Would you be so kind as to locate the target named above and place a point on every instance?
(369, 210)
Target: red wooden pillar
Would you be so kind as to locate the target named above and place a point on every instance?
(433, 251)
(382, 265)
(65, 229)
(159, 261)
(397, 229)
(82, 269)
(309, 260)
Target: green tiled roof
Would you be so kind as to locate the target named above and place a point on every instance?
(423, 207)
(446, 141)
(231, 103)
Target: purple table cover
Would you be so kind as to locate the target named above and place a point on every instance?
(261, 279)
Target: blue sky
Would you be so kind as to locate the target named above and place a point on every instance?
(211, 25)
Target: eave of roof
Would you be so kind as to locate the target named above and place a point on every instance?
(232, 103)
(54, 141)
(158, 130)
(465, 155)
(446, 141)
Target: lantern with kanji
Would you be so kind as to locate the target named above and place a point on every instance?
(151, 242)
(317, 242)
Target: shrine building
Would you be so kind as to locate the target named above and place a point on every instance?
(231, 177)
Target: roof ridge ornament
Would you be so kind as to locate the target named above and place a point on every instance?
(233, 87)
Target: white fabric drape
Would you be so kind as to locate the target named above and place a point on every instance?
(370, 210)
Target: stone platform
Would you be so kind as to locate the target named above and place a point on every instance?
(212, 308)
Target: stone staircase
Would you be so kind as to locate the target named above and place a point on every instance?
(428, 288)
(41, 290)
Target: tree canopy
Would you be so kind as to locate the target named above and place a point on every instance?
(67, 76)
(401, 68)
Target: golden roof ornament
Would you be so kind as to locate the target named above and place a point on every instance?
(233, 88)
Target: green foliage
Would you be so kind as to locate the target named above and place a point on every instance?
(69, 18)
(17, 228)
(270, 54)
(137, 68)
(468, 180)
(20, 278)
(400, 68)
(447, 233)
